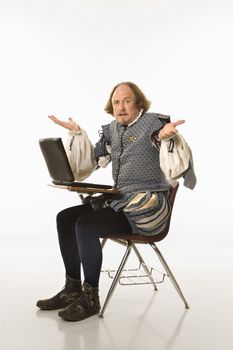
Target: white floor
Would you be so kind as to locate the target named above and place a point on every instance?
(136, 317)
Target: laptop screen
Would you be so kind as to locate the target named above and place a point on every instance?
(56, 159)
(58, 164)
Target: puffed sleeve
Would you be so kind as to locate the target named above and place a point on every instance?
(80, 153)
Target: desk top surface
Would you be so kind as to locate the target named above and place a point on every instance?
(85, 189)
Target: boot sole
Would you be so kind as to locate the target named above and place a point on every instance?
(70, 319)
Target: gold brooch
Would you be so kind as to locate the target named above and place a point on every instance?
(132, 138)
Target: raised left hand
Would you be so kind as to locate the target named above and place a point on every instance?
(169, 129)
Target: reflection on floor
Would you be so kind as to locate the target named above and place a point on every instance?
(137, 317)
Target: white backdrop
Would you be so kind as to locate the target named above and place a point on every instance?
(63, 58)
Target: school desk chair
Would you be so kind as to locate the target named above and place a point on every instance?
(132, 241)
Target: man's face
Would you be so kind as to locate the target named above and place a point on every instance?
(124, 105)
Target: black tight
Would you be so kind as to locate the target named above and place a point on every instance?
(79, 229)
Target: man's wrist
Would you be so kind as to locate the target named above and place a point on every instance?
(75, 132)
(167, 138)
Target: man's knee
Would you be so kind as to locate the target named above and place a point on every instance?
(83, 226)
(70, 215)
(61, 217)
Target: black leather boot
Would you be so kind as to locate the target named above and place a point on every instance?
(85, 306)
(70, 292)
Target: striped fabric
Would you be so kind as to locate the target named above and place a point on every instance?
(148, 212)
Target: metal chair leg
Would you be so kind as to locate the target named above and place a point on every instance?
(142, 262)
(116, 278)
(169, 273)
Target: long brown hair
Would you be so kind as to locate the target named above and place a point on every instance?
(141, 100)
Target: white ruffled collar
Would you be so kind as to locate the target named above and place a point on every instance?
(136, 119)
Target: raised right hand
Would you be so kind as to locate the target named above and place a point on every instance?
(70, 124)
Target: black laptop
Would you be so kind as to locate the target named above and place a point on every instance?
(58, 165)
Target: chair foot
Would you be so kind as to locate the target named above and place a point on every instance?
(169, 274)
(116, 278)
